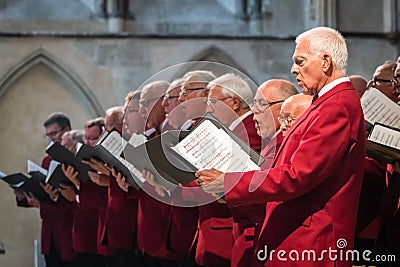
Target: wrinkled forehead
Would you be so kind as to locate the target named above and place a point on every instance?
(174, 90)
(151, 93)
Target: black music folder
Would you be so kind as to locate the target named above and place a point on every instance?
(383, 143)
(30, 183)
(63, 155)
(56, 176)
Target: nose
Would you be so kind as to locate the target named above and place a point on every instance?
(294, 69)
(164, 102)
(181, 98)
(142, 110)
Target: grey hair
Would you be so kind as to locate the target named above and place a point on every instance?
(327, 40)
(204, 76)
(234, 85)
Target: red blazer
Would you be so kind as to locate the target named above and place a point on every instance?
(121, 218)
(372, 189)
(89, 220)
(57, 219)
(86, 220)
(152, 223)
(248, 218)
(390, 212)
(313, 187)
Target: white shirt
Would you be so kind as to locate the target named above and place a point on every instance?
(332, 84)
(238, 120)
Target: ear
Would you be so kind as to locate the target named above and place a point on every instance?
(236, 103)
(204, 93)
(326, 62)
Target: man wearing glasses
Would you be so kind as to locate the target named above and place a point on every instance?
(57, 216)
(383, 80)
(194, 93)
(171, 103)
(292, 108)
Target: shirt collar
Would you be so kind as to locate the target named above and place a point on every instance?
(238, 120)
(149, 132)
(332, 84)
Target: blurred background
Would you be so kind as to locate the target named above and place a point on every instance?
(83, 56)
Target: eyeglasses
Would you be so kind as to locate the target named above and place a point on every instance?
(213, 101)
(286, 122)
(91, 138)
(396, 79)
(146, 102)
(168, 97)
(184, 91)
(378, 81)
(53, 133)
(262, 105)
(131, 110)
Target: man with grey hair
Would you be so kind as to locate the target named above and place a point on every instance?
(151, 108)
(228, 100)
(311, 190)
(193, 93)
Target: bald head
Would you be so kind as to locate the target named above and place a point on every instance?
(277, 89)
(114, 118)
(267, 105)
(359, 83)
(292, 108)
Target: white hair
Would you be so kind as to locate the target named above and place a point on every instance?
(234, 85)
(327, 40)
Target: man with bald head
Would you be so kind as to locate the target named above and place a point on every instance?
(382, 80)
(292, 108)
(114, 118)
(151, 108)
(359, 83)
(171, 103)
(267, 105)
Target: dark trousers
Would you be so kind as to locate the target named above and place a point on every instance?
(128, 258)
(53, 259)
(91, 260)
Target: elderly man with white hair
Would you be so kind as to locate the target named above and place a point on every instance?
(228, 100)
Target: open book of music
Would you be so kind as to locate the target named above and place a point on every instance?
(175, 156)
(63, 155)
(30, 182)
(383, 143)
(379, 108)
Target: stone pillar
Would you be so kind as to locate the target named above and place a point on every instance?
(320, 13)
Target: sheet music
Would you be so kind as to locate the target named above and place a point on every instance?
(208, 147)
(114, 143)
(137, 139)
(379, 108)
(385, 136)
(33, 167)
(132, 169)
(53, 165)
(78, 146)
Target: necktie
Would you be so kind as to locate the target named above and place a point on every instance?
(315, 97)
